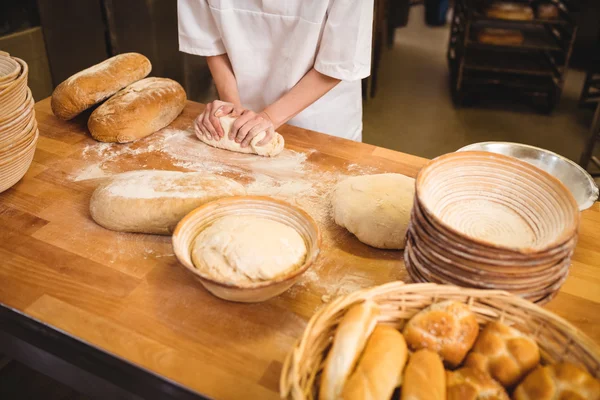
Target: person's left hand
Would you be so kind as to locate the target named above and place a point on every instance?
(250, 124)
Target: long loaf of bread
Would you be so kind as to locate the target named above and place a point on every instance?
(349, 341)
(424, 377)
(97, 83)
(379, 368)
(140, 109)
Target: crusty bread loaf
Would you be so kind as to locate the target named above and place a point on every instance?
(99, 82)
(348, 343)
(558, 381)
(506, 353)
(140, 109)
(510, 11)
(151, 201)
(449, 328)
(500, 37)
(379, 368)
(424, 377)
(472, 384)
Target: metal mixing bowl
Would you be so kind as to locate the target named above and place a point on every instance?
(575, 178)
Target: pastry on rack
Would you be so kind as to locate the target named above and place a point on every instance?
(470, 383)
(558, 381)
(506, 353)
(509, 11)
(547, 11)
(500, 37)
(448, 328)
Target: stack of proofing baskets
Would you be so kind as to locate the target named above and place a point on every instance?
(489, 221)
(18, 127)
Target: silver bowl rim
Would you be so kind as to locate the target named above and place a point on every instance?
(595, 191)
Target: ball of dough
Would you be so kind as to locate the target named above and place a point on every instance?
(375, 208)
(246, 249)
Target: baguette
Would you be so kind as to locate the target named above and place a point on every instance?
(139, 110)
(348, 343)
(97, 83)
(379, 368)
(424, 377)
(500, 37)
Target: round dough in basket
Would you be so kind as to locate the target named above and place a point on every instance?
(375, 208)
(244, 249)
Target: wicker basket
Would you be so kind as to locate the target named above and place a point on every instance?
(558, 340)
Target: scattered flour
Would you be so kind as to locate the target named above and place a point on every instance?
(291, 176)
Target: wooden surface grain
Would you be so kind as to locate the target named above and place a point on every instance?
(126, 293)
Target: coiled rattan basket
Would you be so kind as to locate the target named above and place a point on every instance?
(558, 340)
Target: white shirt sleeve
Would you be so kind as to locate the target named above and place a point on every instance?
(198, 31)
(345, 51)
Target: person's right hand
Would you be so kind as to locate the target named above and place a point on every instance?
(207, 124)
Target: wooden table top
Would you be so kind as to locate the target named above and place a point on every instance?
(126, 293)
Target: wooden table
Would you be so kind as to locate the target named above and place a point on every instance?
(119, 308)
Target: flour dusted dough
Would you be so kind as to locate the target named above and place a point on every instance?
(152, 201)
(271, 149)
(245, 249)
(375, 208)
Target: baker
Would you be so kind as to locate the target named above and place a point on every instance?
(273, 62)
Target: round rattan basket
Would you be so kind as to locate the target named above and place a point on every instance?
(558, 340)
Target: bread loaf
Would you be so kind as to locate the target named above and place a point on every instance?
(500, 37)
(448, 328)
(547, 11)
(154, 201)
(558, 381)
(349, 341)
(379, 368)
(424, 377)
(140, 109)
(505, 353)
(510, 11)
(472, 384)
(97, 83)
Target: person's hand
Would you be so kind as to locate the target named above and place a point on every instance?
(207, 124)
(250, 124)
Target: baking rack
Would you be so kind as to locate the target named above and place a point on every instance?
(535, 69)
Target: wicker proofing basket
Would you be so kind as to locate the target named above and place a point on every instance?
(558, 339)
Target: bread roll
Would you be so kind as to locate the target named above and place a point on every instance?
(349, 341)
(449, 328)
(140, 109)
(472, 384)
(505, 353)
(500, 37)
(379, 368)
(558, 381)
(94, 84)
(424, 377)
(154, 201)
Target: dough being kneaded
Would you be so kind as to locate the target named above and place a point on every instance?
(375, 208)
(246, 249)
(271, 149)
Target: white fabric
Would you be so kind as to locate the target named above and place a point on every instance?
(272, 44)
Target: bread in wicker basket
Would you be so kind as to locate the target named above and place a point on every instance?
(557, 339)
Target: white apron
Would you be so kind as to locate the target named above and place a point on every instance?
(272, 44)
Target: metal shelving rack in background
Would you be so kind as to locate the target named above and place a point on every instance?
(535, 68)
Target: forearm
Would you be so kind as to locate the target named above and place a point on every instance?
(308, 90)
(222, 73)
